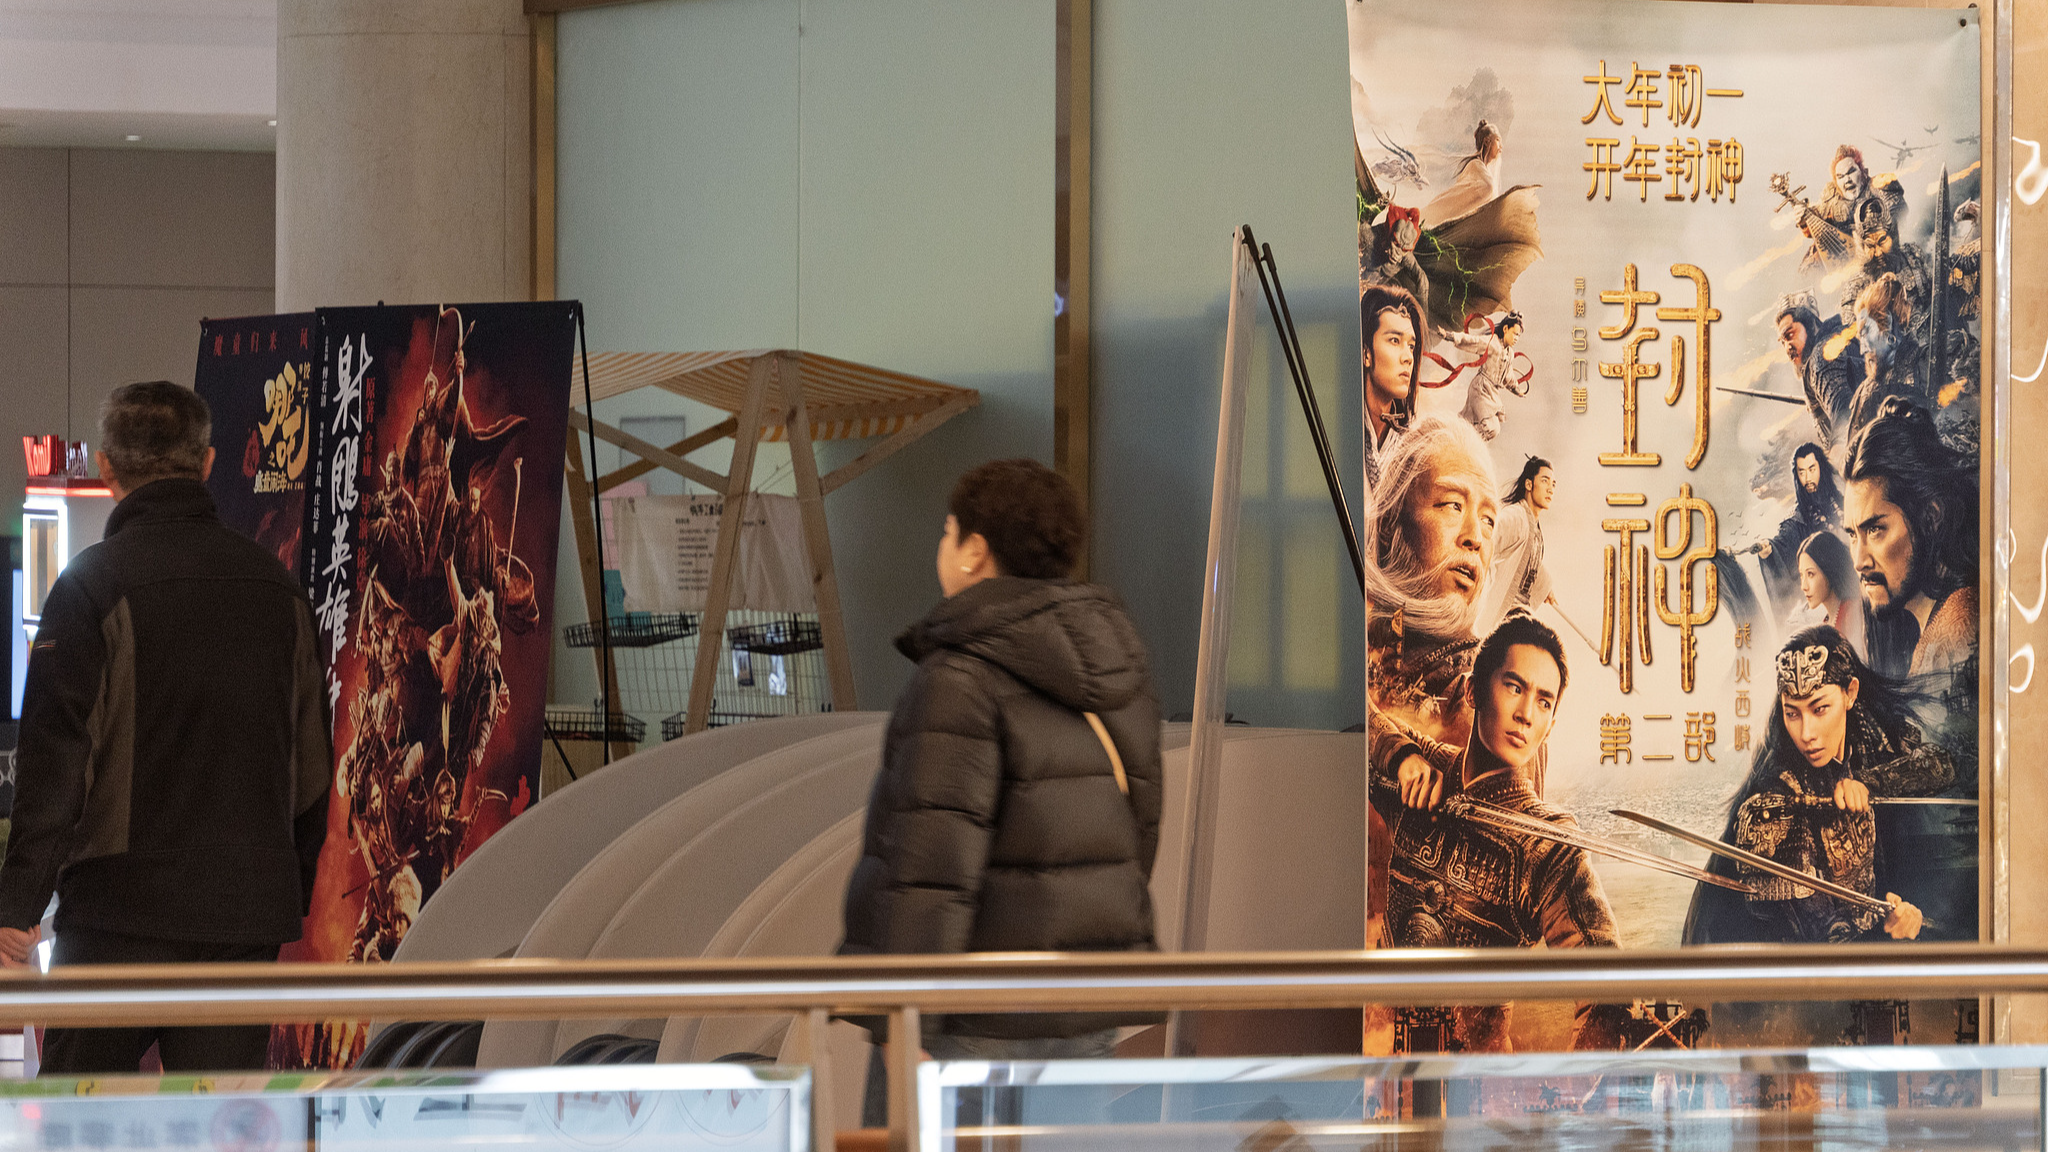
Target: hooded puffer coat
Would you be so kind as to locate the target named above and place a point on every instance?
(996, 824)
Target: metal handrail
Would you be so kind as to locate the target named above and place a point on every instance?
(1004, 982)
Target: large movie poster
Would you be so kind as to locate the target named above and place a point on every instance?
(257, 375)
(1670, 325)
(436, 502)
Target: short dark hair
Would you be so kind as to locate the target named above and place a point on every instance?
(155, 431)
(1029, 514)
(1519, 627)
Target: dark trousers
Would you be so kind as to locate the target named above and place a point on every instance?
(118, 1051)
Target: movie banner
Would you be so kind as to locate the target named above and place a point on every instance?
(1670, 361)
(436, 502)
(258, 375)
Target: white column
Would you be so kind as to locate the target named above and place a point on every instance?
(404, 152)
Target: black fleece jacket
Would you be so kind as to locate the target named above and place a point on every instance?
(174, 763)
(996, 824)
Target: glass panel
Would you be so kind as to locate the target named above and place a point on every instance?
(1925, 1098)
(44, 561)
(667, 1107)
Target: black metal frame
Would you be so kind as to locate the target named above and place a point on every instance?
(604, 634)
(633, 630)
(1297, 368)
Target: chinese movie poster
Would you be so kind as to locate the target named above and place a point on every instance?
(1670, 361)
(257, 375)
(436, 504)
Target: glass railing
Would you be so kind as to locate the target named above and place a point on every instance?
(645, 1108)
(1840, 1099)
(1665, 1094)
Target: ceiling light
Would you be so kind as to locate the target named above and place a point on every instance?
(273, 123)
(133, 139)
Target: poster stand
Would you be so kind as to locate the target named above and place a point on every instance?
(1198, 815)
(772, 394)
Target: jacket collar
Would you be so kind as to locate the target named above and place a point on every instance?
(159, 500)
(1070, 641)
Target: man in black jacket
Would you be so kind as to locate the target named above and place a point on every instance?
(172, 778)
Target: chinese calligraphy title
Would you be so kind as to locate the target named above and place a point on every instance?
(1690, 166)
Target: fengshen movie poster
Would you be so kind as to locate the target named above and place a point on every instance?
(1670, 325)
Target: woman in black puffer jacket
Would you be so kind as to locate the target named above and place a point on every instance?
(998, 823)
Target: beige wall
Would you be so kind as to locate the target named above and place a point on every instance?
(108, 261)
(404, 149)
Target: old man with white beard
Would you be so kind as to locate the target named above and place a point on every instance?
(1431, 526)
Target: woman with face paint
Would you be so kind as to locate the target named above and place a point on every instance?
(1837, 736)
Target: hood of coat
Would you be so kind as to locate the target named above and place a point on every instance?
(1072, 642)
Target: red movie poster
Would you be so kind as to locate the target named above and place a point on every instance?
(435, 505)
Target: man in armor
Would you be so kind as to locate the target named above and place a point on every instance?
(1851, 203)
(1458, 883)
(1830, 374)
(1881, 253)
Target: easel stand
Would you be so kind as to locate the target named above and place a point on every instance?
(772, 395)
(1251, 265)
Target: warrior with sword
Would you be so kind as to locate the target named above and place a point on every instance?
(1802, 828)
(1478, 858)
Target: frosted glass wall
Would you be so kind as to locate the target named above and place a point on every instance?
(1210, 114)
(870, 179)
(874, 179)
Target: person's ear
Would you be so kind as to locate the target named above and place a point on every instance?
(1849, 692)
(206, 466)
(976, 554)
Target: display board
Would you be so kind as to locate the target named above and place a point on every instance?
(257, 375)
(435, 504)
(667, 543)
(1670, 355)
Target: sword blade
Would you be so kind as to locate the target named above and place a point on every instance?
(1778, 396)
(1760, 863)
(1481, 812)
(1574, 626)
(1923, 800)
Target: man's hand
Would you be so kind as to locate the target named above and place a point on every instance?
(1421, 785)
(18, 945)
(1763, 549)
(1852, 796)
(1904, 921)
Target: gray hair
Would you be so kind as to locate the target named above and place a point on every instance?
(155, 431)
(1395, 577)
